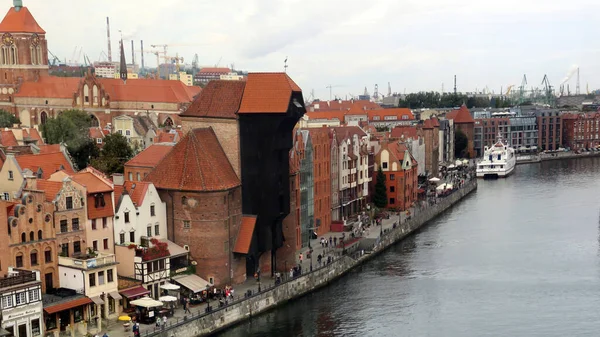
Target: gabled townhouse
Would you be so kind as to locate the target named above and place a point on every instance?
(140, 131)
(138, 167)
(21, 309)
(401, 174)
(321, 149)
(140, 235)
(414, 140)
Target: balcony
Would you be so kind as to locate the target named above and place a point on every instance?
(18, 277)
(87, 262)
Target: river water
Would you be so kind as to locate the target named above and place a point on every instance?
(520, 257)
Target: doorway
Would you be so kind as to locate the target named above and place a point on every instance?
(251, 265)
(48, 278)
(23, 330)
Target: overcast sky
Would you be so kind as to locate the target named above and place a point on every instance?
(350, 44)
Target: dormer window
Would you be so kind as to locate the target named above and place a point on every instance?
(99, 200)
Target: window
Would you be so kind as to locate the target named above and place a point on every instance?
(11, 175)
(104, 222)
(33, 258)
(122, 238)
(156, 230)
(99, 140)
(186, 224)
(95, 245)
(34, 295)
(152, 211)
(48, 255)
(384, 165)
(109, 276)
(392, 176)
(35, 327)
(19, 261)
(77, 247)
(130, 176)
(92, 277)
(127, 132)
(40, 234)
(20, 298)
(23, 237)
(392, 189)
(31, 235)
(75, 224)
(94, 224)
(64, 226)
(64, 249)
(138, 176)
(100, 278)
(7, 301)
(69, 202)
(149, 231)
(99, 200)
(126, 215)
(184, 201)
(105, 242)
(6, 196)
(131, 236)
(392, 201)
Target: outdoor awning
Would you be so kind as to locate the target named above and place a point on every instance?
(244, 238)
(115, 295)
(97, 300)
(193, 282)
(136, 292)
(175, 249)
(146, 302)
(169, 286)
(67, 305)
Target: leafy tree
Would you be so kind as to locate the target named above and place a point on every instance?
(460, 144)
(115, 153)
(72, 128)
(7, 119)
(380, 197)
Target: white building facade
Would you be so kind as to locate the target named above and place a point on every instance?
(21, 303)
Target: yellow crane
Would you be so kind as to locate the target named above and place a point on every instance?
(508, 90)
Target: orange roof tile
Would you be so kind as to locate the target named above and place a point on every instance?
(404, 131)
(48, 162)
(218, 99)
(328, 115)
(7, 138)
(34, 135)
(165, 137)
(268, 93)
(136, 190)
(99, 212)
(67, 305)
(244, 238)
(92, 183)
(197, 163)
(147, 90)
(20, 22)
(461, 116)
(399, 113)
(49, 148)
(151, 156)
(96, 132)
(343, 132)
(51, 188)
(215, 70)
(49, 86)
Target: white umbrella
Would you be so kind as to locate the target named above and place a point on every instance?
(170, 286)
(434, 180)
(458, 163)
(146, 302)
(167, 298)
(466, 162)
(451, 166)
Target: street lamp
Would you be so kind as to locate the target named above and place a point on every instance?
(311, 229)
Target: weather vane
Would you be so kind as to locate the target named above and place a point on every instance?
(285, 65)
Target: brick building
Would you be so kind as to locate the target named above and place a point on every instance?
(550, 127)
(431, 135)
(486, 131)
(321, 148)
(401, 173)
(580, 131)
(464, 122)
(203, 200)
(138, 167)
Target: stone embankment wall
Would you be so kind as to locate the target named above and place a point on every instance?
(205, 324)
(536, 158)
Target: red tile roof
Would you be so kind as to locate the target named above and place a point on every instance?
(133, 293)
(49, 86)
(136, 190)
(101, 211)
(268, 93)
(399, 113)
(461, 116)
(404, 131)
(343, 132)
(49, 148)
(327, 115)
(215, 70)
(34, 135)
(197, 163)
(96, 132)
(147, 90)
(20, 22)
(7, 138)
(166, 137)
(67, 305)
(343, 105)
(91, 182)
(51, 188)
(244, 238)
(151, 156)
(220, 99)
(48, 162)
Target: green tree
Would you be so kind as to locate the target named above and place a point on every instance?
(460, 144)
(115, 153)
(72, 129)
(7, 120)
(380, 197)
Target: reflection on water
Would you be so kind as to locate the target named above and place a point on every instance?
(520, 257)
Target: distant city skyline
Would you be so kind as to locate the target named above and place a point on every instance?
(413, 45)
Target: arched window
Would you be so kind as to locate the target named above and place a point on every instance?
(86, 94)
(34, 55)
(40, 57)
(48, 254)
(95, 94)
(43, 117)
(23, 237)
(19, 260)
(33, 258)
(184, 201)
(31, 236)
(40, 234)
(168, 121)
(95, 122)
(13, 55)
(4, 55)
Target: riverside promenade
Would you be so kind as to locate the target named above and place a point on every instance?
(379, 238)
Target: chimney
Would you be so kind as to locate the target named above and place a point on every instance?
(31, 182)
(18, 4)
(118, 179)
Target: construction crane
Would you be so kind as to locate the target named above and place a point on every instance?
(175, 59)
(548, 91)
(508, 90)
(330, 87)
(522, 89)
(55, 60)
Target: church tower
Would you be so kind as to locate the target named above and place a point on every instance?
(23, 48)
(123, 65)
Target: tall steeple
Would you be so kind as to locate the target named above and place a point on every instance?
(123, 65)
(17, 4)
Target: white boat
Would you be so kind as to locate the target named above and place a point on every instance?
(498, 161)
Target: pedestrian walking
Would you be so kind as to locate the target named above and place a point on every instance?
(164, 321)
(330, 240)
(335, 241)
(300, 257)
(186, 306)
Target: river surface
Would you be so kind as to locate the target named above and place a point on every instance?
(519, 257)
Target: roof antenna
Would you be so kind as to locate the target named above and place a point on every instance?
(285, 65)
(18, 4)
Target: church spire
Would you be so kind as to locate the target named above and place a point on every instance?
(17, 4)
(123, 66)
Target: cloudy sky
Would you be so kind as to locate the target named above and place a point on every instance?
(351, 44)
